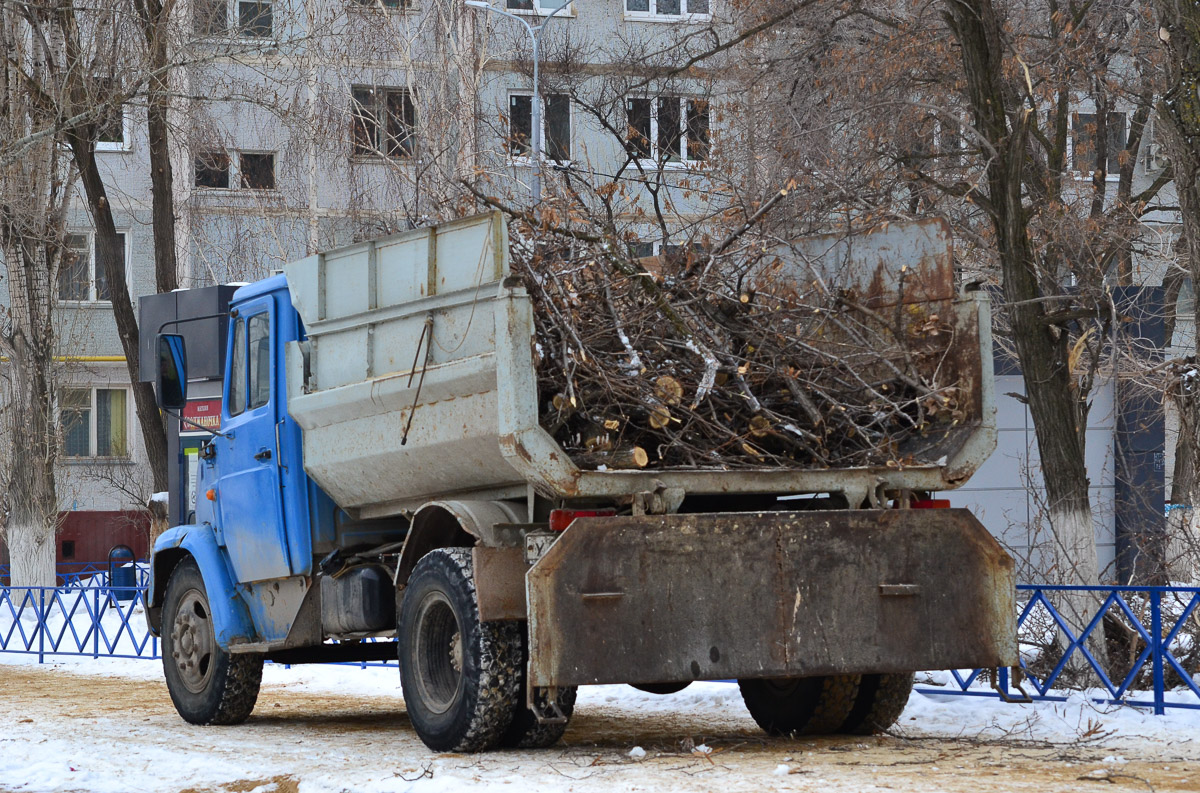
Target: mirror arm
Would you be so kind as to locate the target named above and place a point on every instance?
(218, 315)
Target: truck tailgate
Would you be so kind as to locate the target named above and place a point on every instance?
(661, 598)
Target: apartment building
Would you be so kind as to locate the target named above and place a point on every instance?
(305, 126)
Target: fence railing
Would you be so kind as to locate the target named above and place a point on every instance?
(1141, 632)
(73, 574)
(91, 621)
(1155, 652)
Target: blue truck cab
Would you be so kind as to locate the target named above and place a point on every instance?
(257, 514)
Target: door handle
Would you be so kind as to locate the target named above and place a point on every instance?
(263, 455)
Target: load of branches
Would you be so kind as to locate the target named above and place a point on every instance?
(736, 361)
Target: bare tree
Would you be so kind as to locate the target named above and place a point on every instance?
(34, 195)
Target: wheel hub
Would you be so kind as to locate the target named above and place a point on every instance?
(193, 641)
(439, 653)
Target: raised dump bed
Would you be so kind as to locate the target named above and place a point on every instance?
(418, 379)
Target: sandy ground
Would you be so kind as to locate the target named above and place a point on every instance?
(69, 732)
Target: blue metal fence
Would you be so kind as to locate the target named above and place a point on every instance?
(1050, 646)
(89, 618)
(89, 621)
(74, 574)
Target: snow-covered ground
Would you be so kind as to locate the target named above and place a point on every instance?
(108, 725)
(100, 725)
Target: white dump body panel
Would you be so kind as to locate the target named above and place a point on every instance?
(418, 384)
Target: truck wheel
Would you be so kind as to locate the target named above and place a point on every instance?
(801, 705)
(525, 732)
(207, 684)
(460, 676)
(881, 700)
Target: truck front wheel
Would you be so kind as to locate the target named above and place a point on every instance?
(207, 684)
(801, 705)
(460, 676)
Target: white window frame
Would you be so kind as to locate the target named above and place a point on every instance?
(274, 171)
(403, 6)
(540, 9)
(235, 171)
(233, 28)
(943, 132)
(126, 143)
(380, 118)
(527, 159)
(657, 249)
(1086, 176)
(653, 15)
(91, 299)
(94, 424)
(685, 161)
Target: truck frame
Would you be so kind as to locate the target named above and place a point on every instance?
(380, 488)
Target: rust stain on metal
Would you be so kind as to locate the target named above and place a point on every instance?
(780, 594)
(500, 583)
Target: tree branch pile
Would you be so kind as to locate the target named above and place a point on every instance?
(737, 361)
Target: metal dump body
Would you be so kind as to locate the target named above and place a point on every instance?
(419, 378)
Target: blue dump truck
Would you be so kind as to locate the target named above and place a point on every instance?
(380, 488)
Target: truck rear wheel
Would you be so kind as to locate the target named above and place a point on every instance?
(460, 676)
(525, 732)
(207, 684)
(801, 705)
(881, 700)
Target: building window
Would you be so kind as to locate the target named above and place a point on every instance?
(210, 17)
(111, 132)
(556, 126)
(668, 129)
(254, 19)
(389, 4)
(676, 9)
(671, 252)
(1084, 156)
(68, 549)
(383, 122)
(257, 170)
(94, 422)
(214, 170)
(538, 7)
(79, 277)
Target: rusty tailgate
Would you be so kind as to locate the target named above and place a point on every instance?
(714, 596)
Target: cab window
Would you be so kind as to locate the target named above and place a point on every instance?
(259, 331)
(237, 370)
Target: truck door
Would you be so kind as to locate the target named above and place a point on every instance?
(248, 494)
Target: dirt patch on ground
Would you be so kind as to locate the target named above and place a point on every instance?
(362, 743)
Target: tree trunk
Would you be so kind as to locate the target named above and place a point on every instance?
(108, 255)
(34, 193)
(1179, 121)
(155, 17)
(1002, 117)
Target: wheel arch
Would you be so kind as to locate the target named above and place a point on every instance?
(231, 617)
(453, 524)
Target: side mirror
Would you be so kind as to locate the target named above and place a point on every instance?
(170, 379)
